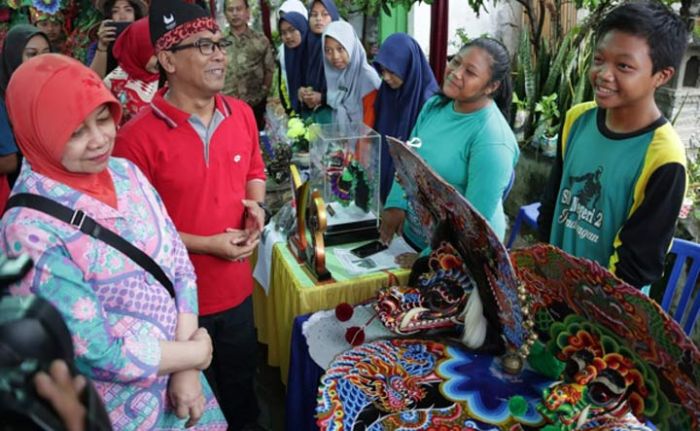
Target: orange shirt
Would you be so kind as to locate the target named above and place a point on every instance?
(368, 115)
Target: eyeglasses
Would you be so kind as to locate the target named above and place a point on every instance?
(205, 46)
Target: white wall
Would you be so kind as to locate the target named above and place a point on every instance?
(500, 21)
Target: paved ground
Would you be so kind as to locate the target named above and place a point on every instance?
(270, 392)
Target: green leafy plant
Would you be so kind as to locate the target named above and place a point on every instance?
(520, 104)
(548, 117)
(693, 193)
(462, 38)
(521, 117)
(373, 7)
(560, 70)
(276, 38)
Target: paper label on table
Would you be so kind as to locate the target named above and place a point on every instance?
(263, 267)
(385, 259)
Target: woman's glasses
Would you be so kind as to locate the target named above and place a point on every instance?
(205, 46)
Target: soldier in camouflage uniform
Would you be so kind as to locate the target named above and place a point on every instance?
(251, 63)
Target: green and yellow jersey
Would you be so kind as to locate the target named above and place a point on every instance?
(614, 198)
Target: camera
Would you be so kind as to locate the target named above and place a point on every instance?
(32, 335)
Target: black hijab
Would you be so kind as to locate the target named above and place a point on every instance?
(12, 49)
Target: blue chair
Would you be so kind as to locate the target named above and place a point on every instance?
(528, 214)
(509, 187)
(684, 250)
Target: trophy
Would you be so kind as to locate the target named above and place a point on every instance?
(300, 191)
(317, 226)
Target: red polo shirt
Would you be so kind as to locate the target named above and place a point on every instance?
(202, 184)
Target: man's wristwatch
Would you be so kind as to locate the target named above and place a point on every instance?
(268, 213)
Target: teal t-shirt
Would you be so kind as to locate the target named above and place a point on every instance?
(600, 173)
(475, 153)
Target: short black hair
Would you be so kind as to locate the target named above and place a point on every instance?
(247, 6)
(664, 31)
(109, 4)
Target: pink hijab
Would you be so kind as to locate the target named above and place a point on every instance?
(48, 98)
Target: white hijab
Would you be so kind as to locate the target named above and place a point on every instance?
(347, 87)
(293, 6)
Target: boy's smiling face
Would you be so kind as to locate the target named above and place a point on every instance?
(621, 73)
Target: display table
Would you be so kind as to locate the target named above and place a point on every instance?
(293, 292)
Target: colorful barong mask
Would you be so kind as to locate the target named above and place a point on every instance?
(594, 391)
(435, 303)
(628, 361)
(498, 318)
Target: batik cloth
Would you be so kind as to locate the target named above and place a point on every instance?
(423, 385)
(131, 93)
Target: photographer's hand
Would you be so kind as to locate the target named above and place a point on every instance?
(63, 393)
(106, 34)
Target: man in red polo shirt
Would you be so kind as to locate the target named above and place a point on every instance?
(200, 151)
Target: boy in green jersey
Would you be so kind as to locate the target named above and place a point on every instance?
(619, 179)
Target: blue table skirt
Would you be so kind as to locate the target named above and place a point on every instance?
(302, 382)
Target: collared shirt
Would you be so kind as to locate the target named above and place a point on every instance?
(206, 133)
(250, 58)
(201, 174)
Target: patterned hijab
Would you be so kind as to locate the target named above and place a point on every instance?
(397, 110)
(36, 89)
(12, 49)
(315, 76)
(347, 87)
(294, 57)
(133, 50)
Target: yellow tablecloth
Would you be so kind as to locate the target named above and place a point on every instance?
(293, 292)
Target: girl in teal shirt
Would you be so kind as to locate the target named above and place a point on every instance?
(465, 138)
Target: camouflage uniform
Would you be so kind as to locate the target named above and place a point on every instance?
(249, 59)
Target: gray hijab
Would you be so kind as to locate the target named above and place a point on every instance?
(347, 87)
(13, 47)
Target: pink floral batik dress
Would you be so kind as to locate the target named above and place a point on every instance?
(116, 312)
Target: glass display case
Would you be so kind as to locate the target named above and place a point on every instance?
(344, 167)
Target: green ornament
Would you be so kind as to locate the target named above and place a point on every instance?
(517, 405)
(544, 362)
